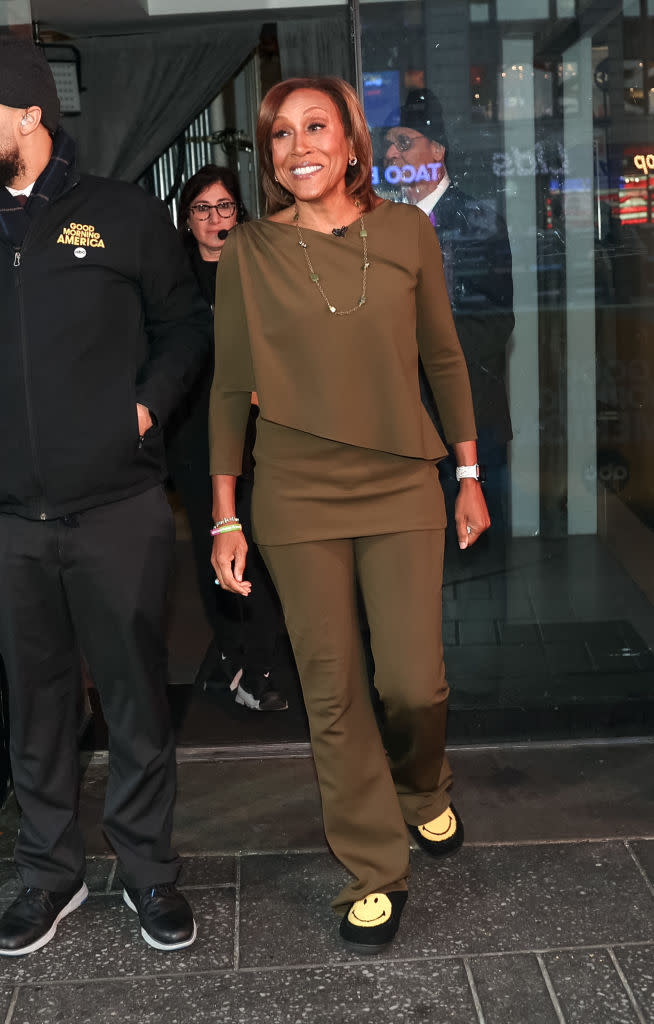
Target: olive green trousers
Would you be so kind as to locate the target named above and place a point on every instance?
(371, 784)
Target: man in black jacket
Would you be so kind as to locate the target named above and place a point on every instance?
(102, 332)
(478, 273)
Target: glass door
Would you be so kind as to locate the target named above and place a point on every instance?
(523, 128)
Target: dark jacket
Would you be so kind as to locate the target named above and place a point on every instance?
(99, 311)
(478, 274)
(187, 432)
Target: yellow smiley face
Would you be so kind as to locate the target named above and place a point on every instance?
(371, 911)
(440, 828)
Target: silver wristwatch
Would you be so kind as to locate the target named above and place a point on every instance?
(468, 472)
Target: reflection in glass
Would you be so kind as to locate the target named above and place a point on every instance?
(546, 138)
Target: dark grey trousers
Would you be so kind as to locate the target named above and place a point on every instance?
(95, 582)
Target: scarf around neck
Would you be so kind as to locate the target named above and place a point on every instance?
(14, 218)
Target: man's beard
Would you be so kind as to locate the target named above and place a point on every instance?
(11, 166)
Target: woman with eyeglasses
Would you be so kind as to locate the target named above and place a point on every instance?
(241, 652)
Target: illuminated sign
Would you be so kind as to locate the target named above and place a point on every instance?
(551, 160)
(406, 175)
(644, 162)
(512, 163)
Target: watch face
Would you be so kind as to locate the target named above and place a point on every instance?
(471, 472)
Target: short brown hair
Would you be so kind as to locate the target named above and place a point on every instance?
(358, 179)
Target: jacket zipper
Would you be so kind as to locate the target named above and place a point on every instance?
(18, 262)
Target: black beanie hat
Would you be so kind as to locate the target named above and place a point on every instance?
(422, 111)
(26, 80)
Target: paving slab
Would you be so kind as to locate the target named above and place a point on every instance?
(228, 806)
(505, 794)
(277, 890)
(102, 939)
(512, 990)
(486, 899)
(6, 994)
(588, 988)
(99, 877)
(102, 876)
(388, 994)
(644, 853)
(541, 793)
(637, 965)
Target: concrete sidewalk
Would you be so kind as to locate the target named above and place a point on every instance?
(546, 915)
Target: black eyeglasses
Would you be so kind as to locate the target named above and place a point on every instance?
(403, 142)
(202, 211)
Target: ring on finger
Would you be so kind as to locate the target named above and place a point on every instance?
(469, 529)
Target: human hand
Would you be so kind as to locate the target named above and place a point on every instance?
(470, 512)
(228, 560)
(144, 418)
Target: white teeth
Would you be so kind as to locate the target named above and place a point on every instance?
(300, 171)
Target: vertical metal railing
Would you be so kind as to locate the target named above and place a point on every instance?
(355, 34)
(176, 165)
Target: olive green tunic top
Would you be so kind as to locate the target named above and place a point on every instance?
(344, 446)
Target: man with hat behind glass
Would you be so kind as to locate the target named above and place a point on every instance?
(102, 331)
(478, 274)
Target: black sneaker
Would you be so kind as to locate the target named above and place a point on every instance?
(166, 918)
(225, 675)
(31, 920)
(216, 670)
(258, 694)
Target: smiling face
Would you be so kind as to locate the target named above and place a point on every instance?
(371, 911)
(206, 231)
(310, 151)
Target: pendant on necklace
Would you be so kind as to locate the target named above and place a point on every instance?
(315, 278)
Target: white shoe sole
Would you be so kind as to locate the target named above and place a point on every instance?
(80, 897)
(171, 947)
(230, 683)
(254, 704)
(246, 699)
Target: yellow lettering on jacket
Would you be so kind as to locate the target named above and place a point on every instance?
(81, 234)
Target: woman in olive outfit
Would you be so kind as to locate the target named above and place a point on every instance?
(242, 651)
(323, 308)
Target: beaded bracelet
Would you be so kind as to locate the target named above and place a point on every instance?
(227, 519)
(230, 528)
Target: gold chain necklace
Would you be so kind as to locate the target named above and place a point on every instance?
(316, 277)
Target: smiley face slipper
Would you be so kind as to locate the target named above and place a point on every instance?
(441, 836)
(371, 923)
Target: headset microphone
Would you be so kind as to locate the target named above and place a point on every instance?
(222, 234)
